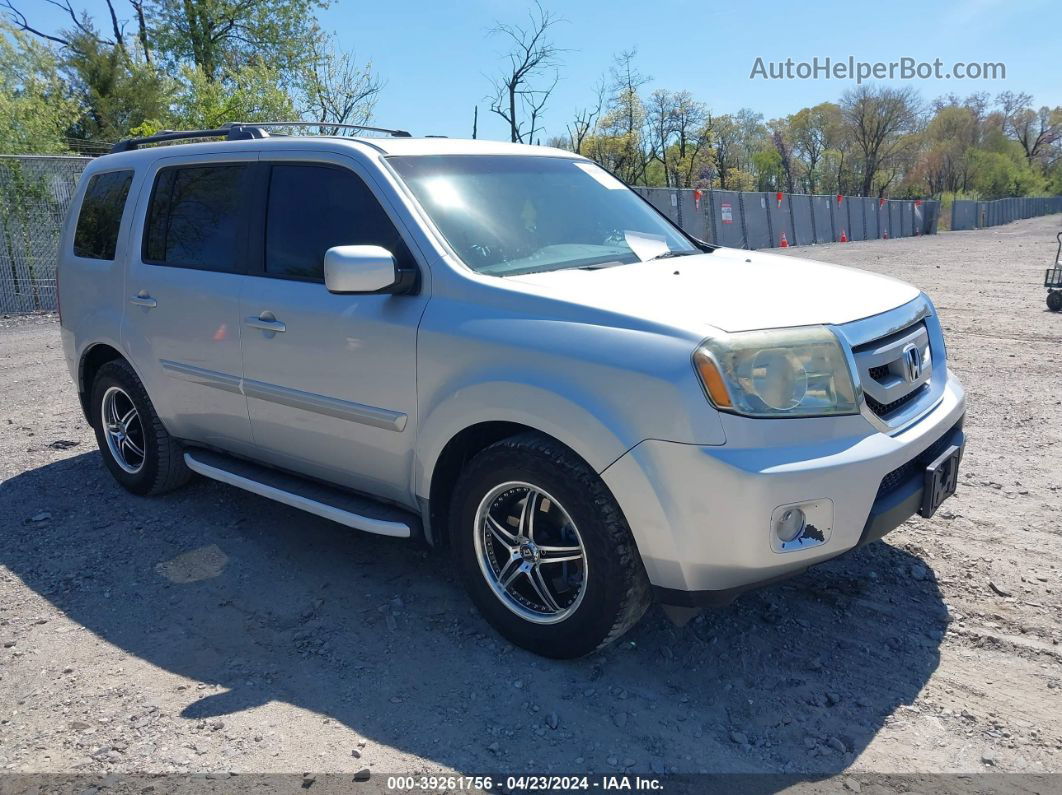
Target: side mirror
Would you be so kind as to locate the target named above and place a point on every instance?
(364, 269)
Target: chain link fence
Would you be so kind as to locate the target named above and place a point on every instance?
(35, 192)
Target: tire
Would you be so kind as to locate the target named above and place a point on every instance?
(1054, 300)
(580, 545)
(135, 447)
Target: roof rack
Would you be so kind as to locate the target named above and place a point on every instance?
(240, 131)
(328, 124)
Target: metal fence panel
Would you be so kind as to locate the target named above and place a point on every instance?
(822, 216)
(778, 209)
(757, 221)
(871, 224)
(931, 217)
(728, 228)
(852, 207)
(963, 215)
(907, 218)
(892, 211)
(693, 210)
(803, 228)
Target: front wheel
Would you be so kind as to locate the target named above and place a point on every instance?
(1054, 300)
(544, 550)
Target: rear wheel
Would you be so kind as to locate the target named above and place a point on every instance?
(136, 449)
(544, 550)
(1054, 300)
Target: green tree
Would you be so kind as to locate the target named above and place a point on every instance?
(116, 92)
(36, 108)
(814, 132)
(252, 93)
(222, 37)
(999, 168)
(878, 121)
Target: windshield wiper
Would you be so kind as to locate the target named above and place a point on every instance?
(670, 254)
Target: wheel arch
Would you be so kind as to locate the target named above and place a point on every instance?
(92, 359)
(458, 450)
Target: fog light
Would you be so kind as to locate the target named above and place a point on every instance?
(801, 525)
(790, 524)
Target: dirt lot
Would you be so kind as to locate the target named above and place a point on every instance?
(211, 630)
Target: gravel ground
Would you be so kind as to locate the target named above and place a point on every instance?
(211, 630)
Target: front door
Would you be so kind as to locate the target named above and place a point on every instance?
(182, 317)
(330, 379)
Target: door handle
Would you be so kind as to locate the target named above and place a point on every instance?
(266, 321)
(143, 299)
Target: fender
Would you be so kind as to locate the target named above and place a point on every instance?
(597, 437)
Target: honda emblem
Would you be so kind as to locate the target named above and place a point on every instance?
(912, 363)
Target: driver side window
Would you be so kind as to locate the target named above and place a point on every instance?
(312, 208)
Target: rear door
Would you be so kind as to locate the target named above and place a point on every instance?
(330, 379)
(182, 318)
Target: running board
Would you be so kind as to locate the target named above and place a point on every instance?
(329, 502)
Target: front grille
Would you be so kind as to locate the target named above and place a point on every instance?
(885, 372)
(893, 480)
(885, 409)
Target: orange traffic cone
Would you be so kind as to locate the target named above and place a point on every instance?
(844, 237)
(784, 243)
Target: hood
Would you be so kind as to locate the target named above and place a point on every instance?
(730, 289)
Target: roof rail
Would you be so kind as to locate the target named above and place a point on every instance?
(240, 131)
(231, 132)
(392, 133)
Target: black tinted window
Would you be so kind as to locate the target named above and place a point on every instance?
(96, 235)
(196, 217)
(311, 209)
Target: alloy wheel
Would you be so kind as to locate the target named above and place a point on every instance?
(123, 429)
(530, 552)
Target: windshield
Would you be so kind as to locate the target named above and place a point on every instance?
(505, 215)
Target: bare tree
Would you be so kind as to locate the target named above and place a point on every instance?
(1036, 131)
(81, 26)
(624, 119)
(586, 118)
(781, 137)
(338, 89)
(83, 30)
(878, 119)
(521, 92)
(660, 125)
(142, 29)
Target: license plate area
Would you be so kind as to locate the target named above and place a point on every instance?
(941, 480)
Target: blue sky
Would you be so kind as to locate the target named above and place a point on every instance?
(435, 57)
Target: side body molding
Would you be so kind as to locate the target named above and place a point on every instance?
(307, 401)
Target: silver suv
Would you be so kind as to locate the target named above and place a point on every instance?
(502, 350)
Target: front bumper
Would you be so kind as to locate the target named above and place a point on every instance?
(701, 515)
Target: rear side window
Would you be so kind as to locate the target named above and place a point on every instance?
(312, 208)
(96, 236)
(196, 218)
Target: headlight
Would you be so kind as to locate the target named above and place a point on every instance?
(798, 372)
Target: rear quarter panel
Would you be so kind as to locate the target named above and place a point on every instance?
(92, 291)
